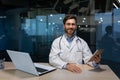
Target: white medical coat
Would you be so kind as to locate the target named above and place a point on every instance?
(62, 53)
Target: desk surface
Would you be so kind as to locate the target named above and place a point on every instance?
(88, 73)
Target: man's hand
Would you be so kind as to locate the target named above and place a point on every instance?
(97, 58)
(73, 68)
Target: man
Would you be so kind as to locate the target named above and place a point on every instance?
(107, 40)
(69, 50)
(108, 43)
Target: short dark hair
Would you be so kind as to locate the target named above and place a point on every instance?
(69, 16)
(109, 29)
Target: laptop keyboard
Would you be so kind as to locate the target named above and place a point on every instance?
(40, 69)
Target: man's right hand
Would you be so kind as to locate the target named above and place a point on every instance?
(73, 68)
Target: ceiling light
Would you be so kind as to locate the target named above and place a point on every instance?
(115, 5)
(67, 1)
(73, 6)
(83, 9)
(119, 1)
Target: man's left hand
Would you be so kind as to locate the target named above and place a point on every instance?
(97, 58)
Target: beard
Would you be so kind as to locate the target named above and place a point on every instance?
(70, 31)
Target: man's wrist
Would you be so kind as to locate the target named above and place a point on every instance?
(64, 66)
(95, 65)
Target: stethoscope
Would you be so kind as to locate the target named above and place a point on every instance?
(76, 42)
(78, 39)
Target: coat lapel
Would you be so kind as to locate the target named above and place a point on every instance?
(65, 42)
(73, 44)
(67, 45)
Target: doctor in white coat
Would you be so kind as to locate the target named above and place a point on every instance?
(69, 50)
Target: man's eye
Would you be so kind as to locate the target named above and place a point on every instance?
(73, 24)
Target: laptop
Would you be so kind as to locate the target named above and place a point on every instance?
(23, 62)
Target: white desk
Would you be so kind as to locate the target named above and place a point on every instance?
(10, 73)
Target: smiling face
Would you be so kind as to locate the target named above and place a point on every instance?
(70, 27)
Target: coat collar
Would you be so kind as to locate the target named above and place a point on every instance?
(67, 44)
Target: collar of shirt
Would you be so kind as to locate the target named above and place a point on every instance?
(69, 39)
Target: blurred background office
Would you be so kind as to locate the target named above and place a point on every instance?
(31, 26)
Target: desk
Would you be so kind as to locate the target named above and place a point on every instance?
(10, 73)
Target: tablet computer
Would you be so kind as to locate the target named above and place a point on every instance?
(96, 53)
